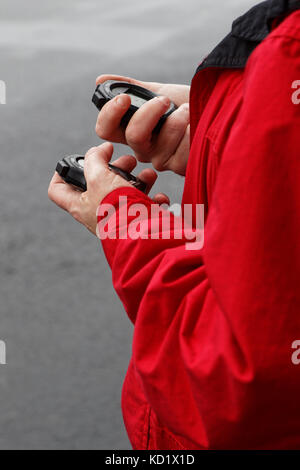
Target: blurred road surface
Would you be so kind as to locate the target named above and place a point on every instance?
(67, 336)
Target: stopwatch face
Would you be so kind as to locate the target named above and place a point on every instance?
(80, 162)
(116, 90)
(136, 100)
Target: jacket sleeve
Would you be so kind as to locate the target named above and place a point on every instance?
(214, 326)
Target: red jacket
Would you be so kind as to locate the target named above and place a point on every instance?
(211, 360)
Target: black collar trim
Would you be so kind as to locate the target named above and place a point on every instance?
(247, 32)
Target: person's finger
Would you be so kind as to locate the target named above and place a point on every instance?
(170, 138)
(104, 77)
(139, 130)
(153, 86)
(126, 163)
(62, 194)
(161, 198)
(108, 125)
(149, 177)
(96, 160)
(177, 161)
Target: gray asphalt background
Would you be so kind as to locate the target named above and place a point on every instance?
(68, 339)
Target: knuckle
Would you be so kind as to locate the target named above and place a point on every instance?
(177, 125)
(178, 122)
(101, 131)
(158, 164)
(175, 167)
(75, 214)
(134, 137)
(50, 192)
(144, 158)
(92, 180)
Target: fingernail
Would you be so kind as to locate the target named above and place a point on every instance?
(121, 101)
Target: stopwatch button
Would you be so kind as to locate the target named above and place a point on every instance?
(98, 100)
(62, 168)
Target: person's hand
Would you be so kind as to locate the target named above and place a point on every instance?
(100, 182)
(169, 149)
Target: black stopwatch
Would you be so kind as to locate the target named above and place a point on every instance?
(139, 96)
(71, 170)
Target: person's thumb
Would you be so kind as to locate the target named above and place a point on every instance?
(96, 160)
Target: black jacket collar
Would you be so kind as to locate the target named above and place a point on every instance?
(247, 32)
